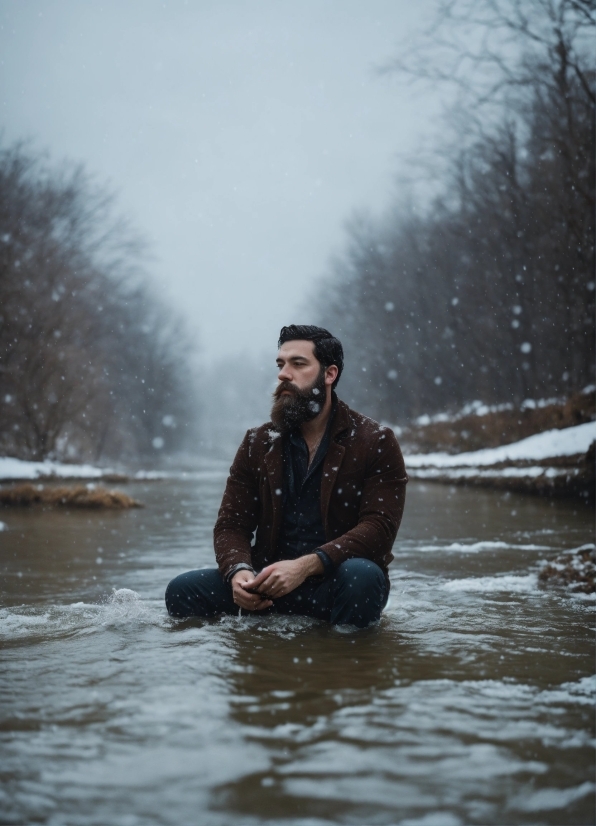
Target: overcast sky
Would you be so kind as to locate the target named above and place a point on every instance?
(239, 136)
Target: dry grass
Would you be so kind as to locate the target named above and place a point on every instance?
(79, 496)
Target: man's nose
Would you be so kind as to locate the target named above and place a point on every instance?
(285, 374)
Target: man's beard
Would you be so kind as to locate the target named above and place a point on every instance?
(289, 412)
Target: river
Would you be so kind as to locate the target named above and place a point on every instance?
(470, 703)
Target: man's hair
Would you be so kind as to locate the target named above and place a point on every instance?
(327, 349)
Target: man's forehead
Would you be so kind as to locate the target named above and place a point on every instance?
(298, 347)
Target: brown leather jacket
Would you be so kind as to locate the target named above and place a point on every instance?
(363, 490)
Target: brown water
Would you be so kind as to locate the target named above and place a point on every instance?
(470, 703)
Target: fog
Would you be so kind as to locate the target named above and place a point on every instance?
(417, 178)
(238, 136)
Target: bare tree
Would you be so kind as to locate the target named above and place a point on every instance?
(491, 293)
(88, 360)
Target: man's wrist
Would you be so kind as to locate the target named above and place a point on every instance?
(242, 566)
(313, 566)
(326, 562)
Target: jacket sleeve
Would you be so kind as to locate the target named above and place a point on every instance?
(238, 513)
(382, 499)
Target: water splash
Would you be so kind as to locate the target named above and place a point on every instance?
(123, 606)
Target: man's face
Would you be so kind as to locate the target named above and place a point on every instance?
(301, 392)
(297, 364)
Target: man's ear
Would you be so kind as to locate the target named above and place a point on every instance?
(331, 374)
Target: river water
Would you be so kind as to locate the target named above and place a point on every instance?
(470, 703)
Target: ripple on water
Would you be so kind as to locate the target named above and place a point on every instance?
(469, 703)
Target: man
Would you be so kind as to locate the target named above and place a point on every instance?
(323, 488)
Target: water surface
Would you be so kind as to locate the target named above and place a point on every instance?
(470, 703)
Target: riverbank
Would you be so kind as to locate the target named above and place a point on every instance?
(545, 447)
(478, 426)
(19, 470)
(76, 496)
(554, 463)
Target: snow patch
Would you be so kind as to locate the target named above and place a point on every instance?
(18, 469)
(567, 442)
(478, 408)
(533, 472)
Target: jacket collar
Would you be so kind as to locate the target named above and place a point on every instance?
(342, 420)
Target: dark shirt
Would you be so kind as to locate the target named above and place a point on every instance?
(302, 529)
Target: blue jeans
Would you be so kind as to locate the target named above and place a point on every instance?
(355, 594)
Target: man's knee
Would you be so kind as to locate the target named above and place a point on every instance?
(361, 576)
(199, 593)
(176, 596)
(361, 587)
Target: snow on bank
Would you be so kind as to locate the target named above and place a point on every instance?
(18, 469)
(548, 445)
(478, 408)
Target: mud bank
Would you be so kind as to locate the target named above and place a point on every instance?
(78, 496)
(574, 570)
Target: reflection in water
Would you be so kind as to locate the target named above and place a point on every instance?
(470, 703)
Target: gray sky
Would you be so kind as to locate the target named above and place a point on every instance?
(239, 136)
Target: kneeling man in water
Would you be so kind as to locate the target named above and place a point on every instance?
(321, 487)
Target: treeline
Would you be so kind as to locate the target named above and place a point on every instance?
(92, 365)
(488, 293)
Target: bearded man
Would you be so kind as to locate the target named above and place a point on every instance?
(322, 490)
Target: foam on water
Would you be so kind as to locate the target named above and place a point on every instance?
(545, 800)
(475, 547)
(580, 692)
(583, 691)
(20, 625)
(440, 818)
(495, 584)
(276, 624)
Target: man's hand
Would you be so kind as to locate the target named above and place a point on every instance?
(244, 599)
(279, 579)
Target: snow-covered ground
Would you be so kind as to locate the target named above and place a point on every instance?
(18, 469)
(548, 445)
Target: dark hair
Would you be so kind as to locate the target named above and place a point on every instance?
(327, 349)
